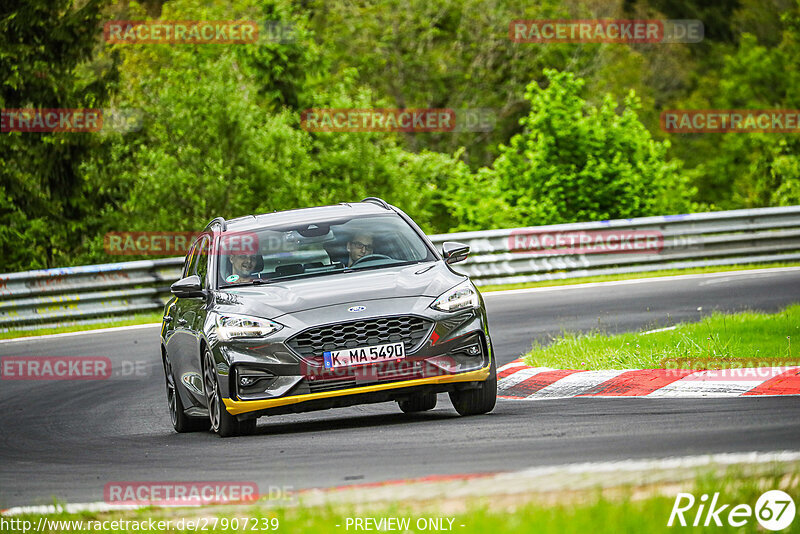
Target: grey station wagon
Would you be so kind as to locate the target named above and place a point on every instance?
(319, 308)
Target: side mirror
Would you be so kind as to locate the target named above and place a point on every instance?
(454, 252)
(188, 287)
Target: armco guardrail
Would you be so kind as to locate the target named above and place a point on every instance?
(86, 294)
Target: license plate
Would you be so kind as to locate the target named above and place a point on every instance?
(364, 355)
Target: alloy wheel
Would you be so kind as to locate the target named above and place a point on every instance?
(212, 391)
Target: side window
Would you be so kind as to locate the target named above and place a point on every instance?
(189, 262)
(201, 263)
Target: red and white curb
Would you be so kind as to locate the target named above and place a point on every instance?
(517, 380)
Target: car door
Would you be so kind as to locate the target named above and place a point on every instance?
(181, 342)
(191, 318)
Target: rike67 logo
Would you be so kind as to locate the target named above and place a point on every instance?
(774, 510)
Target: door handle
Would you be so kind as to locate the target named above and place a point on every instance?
(167, 318)
(181, 321)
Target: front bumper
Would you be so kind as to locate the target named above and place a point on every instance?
(455, 353)
(360, 395)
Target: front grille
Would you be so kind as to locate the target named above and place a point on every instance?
(311, 343)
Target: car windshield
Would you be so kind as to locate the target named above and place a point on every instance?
(306, 249)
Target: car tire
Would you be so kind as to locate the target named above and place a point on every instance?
(247, 427)
(479, 400)
(418, 403)
(221, 422)
(180, 421)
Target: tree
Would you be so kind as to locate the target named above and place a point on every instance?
(579, 162)
(45, 48)
(222, 136)
(743, 169)
(457, 54)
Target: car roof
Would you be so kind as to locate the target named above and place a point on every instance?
(309, 215)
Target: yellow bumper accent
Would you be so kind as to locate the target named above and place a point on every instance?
(239, 407)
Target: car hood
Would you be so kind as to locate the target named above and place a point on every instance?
(280, 298)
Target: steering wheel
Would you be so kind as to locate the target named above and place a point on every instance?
(370, 257)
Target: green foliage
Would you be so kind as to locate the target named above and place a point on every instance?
(457, 54)
(221, 134)
(44, 47)
(578, 162)
(756, 169)
(747, 170)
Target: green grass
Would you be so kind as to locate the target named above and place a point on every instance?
(757, 337)
(627, 509)
(634, 276)
(110, 323)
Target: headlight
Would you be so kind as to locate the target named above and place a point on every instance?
(461, 297)
(241, 326)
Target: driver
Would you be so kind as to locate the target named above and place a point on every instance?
(358, 247)
(243, 266)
